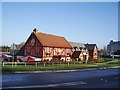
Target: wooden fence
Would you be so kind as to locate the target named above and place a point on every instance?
(39, 63)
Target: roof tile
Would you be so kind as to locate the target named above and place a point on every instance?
(52, 40)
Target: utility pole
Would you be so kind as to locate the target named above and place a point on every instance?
(13, 55)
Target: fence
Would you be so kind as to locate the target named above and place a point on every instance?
(39, 63)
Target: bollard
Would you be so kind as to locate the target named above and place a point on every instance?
(12, 64)
(36, 64)
(44, 64)
(74, 63)
(15, 64)
(68, 63)
(25, 64)
(3, 64)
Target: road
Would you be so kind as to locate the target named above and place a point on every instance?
(102, 78)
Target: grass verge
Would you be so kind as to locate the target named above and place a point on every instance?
(109, 63)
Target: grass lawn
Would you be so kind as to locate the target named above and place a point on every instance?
(9, 68)
(109, 63)
(115, 61)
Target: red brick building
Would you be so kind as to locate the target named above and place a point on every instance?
(47, 47)
(93, 51)
(80, 52)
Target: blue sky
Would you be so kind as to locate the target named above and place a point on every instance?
(84, 22)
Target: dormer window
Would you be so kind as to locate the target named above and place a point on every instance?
(80, 48)
(75, 48)
(85, 49)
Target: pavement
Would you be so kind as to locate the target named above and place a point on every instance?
(102, 78)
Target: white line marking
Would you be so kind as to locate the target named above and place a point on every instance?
(106, 80)
(49, 85)
(116, 77)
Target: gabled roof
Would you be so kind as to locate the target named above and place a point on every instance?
(79, 46)
(52, 40)
(75, 44)
(76, 54)
(90, 46)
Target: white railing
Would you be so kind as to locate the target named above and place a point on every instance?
(39, 63)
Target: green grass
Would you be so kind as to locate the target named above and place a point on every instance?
(77, 66)
(115, 61)
(9, 68)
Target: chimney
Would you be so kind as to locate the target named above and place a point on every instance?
(35, 31)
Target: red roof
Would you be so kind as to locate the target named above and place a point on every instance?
(52, 40)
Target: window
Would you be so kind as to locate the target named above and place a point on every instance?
(95, 53)
(59, 50)
(69, 50)
(80, 48)
(47, 50)
(75, 48)
(85, 49)
(33, 42)
(47, 53)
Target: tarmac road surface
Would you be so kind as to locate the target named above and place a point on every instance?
(102, 78)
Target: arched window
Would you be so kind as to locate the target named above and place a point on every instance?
(95, 53)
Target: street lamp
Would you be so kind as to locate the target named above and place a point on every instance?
(13, 54)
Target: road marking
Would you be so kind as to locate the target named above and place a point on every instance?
(50, 85)
(116, 77)
(106, 80)
(101, 79)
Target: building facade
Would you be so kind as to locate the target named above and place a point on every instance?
(47, 46)
(93, 51)
(113, 46)
(79, 51)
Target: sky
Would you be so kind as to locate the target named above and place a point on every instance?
(83, 22)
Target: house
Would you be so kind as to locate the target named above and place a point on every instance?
(16, 46)
(113, 46)
(47, 46)
(93, 51)
(80, 52)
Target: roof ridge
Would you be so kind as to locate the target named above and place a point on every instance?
(75, 42)
(49, 34)
(52, 40)
(90, 44)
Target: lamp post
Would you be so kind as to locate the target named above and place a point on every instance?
(13, 55)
